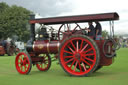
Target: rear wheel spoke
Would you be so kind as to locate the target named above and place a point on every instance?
(69, 60)
(88, 54)
(87, 50)
(86, 62)
(73, 45)
(77, 46)
(84, 66)
(88, 59)
(71, 49)
(81, 45)
(75, 65)
(68, 57)
(72, 64)
(80, 67)
(84, 48)
(68, 52)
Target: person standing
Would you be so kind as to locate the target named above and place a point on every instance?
(98, 29)
(91, 30)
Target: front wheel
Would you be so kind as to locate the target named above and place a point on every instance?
(23, 63)
(45, 63)
(79, 55)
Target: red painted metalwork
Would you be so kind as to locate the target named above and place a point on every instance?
(104, 61)
(78, 18)
(78, 52)
(45, 46)
(23, 63)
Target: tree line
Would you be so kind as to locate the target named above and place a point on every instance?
(14, 22)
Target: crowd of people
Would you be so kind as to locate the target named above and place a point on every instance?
(123, 42)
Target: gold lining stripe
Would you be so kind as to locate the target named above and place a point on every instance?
(33, 46)
(48, 47)
(58, 45)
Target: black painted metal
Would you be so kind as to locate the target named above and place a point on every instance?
(32, 26)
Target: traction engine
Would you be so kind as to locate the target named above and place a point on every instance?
(78, 53)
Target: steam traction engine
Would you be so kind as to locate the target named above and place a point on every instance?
(78, 53)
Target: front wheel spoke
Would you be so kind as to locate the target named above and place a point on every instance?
(25, 67)
(69, 60)
(45, 65)
(26, 62)
(86, 62)
(21, 68)
(19, 63)
(20, 60)
(41, 65)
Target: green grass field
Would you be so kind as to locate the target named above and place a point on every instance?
(116, 74)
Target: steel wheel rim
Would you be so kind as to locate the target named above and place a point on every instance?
(44, 65)
(84, 62)
(22, 63)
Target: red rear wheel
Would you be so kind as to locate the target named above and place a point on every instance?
(23, 63)
(79, 55)
(45, 64)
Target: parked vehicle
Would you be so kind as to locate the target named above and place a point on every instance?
(8, 48)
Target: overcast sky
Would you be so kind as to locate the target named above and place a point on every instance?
(52, 8)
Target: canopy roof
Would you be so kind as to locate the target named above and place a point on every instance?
(77, 18)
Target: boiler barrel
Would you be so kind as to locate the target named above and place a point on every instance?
(44, 47)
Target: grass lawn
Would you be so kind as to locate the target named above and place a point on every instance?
(116, 74)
